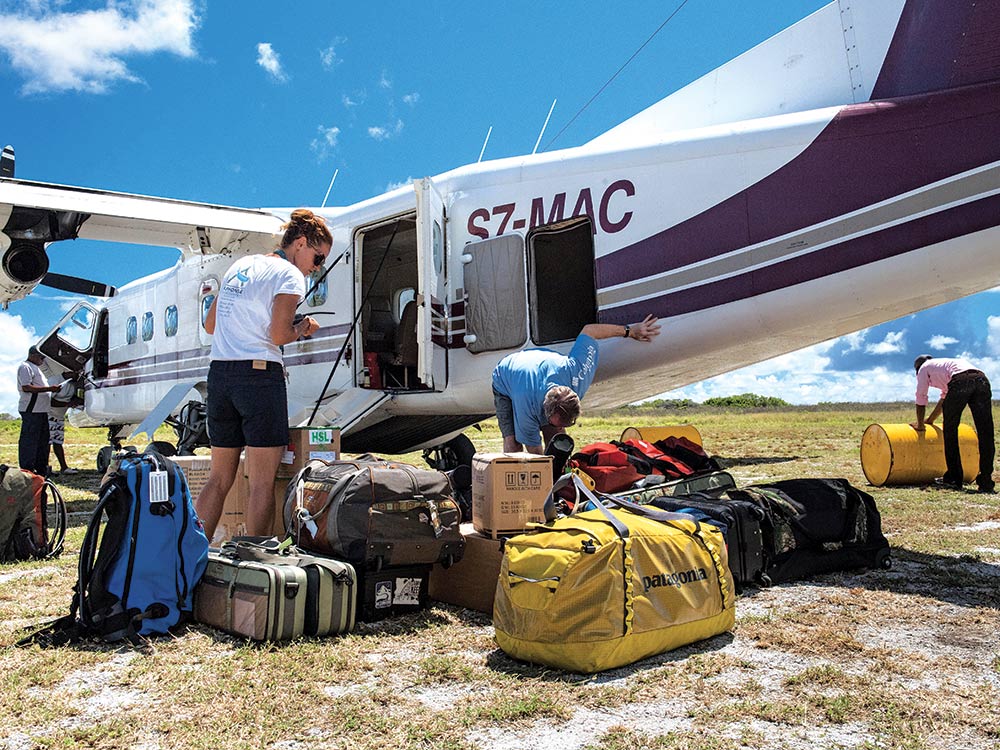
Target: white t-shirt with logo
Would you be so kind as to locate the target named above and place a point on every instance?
(246, 300)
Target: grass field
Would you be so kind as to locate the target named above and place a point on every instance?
(904, 658)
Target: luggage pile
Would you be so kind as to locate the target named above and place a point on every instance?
(616, 575)
(362, 536)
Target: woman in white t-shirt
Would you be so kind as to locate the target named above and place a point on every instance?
(252, 316)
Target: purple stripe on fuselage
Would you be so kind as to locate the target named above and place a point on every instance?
(940, 44)
(868, 153)
(886, 243)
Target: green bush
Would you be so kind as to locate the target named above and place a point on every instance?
(746, 401)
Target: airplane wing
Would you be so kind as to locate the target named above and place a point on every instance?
(35, 214)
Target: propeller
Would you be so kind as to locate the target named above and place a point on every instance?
(77, 285)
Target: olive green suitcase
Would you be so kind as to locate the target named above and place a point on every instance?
(331, 585)
(259, 601)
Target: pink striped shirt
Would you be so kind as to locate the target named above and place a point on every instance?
(937, 373)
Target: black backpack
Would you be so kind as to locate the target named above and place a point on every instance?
(814, 526)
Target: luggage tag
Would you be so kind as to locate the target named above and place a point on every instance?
(304, 517)
(435, 522)
(159, 491)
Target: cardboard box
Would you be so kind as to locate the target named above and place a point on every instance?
(509, 491)
(472, 581)
(196, 470)
(278, 528)
(233, 522)
(305, 443)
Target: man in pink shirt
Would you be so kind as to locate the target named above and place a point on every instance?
(960, 384)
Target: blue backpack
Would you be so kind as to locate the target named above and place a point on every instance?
(140, 578)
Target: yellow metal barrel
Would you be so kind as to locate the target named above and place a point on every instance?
(652, 434)
(898, 454)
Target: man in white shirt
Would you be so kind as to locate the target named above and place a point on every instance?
(33, 405)
(960, 384)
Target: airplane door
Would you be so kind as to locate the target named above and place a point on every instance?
(432, 294)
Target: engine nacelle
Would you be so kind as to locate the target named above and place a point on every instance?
(22, 265)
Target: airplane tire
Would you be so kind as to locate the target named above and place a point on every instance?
(163, 447)
(456, 452)
(104, 458)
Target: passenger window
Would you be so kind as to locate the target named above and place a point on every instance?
(318, 295)
(131, 330)
(402, 297)
(206, 305)
(170, 321)
(147, 326)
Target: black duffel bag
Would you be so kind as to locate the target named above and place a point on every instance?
(816, 526)
(374, 513)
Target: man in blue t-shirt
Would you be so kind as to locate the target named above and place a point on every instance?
(537, 392)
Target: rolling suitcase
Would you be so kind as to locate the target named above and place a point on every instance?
(259, 601)
(374, 514)
(392, 591)
(714, 482)
(331, 585)
(740, 522)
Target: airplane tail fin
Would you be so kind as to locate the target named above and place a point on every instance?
(941, 44)
(847, 52)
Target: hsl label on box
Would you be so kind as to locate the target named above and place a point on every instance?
(320, 437)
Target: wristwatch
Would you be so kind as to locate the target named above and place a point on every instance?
(628, 329)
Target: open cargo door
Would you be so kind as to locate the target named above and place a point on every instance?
(432, 295)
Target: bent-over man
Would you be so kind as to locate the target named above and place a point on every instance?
(537, 392)
(960, 384)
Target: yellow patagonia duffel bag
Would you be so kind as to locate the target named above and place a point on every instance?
(608, 586)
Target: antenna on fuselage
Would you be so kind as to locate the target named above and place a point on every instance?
(332, 180)
(483, 149)
(544, 125)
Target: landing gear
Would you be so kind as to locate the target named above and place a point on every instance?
(455, 459)
(450, 455)
(104, 454)
(191, 426)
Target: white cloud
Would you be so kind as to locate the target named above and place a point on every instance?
(854, 341)
(353, 101)
(891, 344)
(326, 142)
(15, 338)
(86, 50)
(380, 133)
(993, 334)
(270, 61)
(412, 99)
(939, 342)
(384, 82)
(408, 182)
(328, 57)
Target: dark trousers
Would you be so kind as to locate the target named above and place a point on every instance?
(976, 393)
(33, 442)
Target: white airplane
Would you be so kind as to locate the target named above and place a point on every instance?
(841, 174)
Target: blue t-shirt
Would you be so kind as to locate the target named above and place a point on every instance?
(526, 376)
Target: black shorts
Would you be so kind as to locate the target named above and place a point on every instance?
(247, 407)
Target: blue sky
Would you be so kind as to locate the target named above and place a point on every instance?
(257, 103)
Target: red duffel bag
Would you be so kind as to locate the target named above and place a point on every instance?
(610, 467)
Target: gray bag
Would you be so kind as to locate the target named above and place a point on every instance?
(374, 513)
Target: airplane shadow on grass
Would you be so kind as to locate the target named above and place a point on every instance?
(727, 463)
(959, 580)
